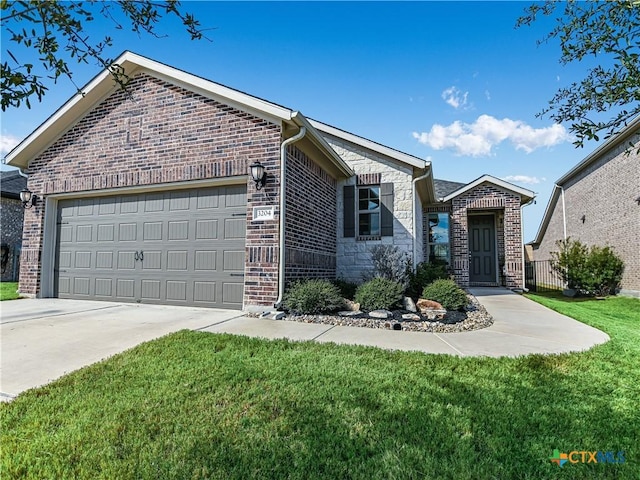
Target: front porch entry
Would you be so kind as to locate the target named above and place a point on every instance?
(482, 250)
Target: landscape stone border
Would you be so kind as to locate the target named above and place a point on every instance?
(474, 317)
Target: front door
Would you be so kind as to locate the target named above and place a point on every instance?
(482, 249)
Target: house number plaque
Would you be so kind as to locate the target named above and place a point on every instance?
(263, 213)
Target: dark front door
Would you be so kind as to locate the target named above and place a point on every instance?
(482, 248)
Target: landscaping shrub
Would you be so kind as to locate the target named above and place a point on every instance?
(447, 294)
(313, 296)
(590, 271)
(379, 293)
(347, 289)
(425, 274)
(390, 263)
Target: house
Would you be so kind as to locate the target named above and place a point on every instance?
(598, 203)
(144, 196)
(11, 215)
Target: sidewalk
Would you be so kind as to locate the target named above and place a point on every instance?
(520, 327)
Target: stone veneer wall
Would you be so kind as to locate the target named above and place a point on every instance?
(166, 134)
(606, 193)
(492, 199)
(310, 237)
(11, 215)
(354, 256)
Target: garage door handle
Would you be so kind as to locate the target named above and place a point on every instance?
(136, 257)
(236, 274)
(141, 255)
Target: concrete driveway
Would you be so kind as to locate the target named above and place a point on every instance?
(43, 339)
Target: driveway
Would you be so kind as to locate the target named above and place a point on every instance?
(43, 339)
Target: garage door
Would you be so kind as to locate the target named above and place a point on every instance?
(184, 247)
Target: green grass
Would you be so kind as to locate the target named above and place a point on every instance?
(198, 405)
(8, 291)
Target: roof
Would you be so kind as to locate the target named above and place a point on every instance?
(412, 160)
(525, 194)
(446, 187)
(102, 85)
(11, 183)
(627, 134)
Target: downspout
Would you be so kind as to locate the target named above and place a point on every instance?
(564, 214)
(283, 180)
(414, 194)
(522, 240)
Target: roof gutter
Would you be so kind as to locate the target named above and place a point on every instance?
(283, 185)
(415, 213)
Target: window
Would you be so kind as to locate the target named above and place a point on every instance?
(439, 237)
(369, 211)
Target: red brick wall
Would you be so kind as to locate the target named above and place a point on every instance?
(165, 134)
(311, 219)
(491, 199)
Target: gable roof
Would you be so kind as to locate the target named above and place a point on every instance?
(12, 183)
(371, 145)
(102, 85)
(628, 133)
(525, 194)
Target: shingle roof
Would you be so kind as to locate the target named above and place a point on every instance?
(445, 187)
(11, 183)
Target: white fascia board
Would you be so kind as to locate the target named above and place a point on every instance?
(322, 144)
(496, 181)
(370, 145)
(102, 85)
(546, 218)
(210, 89)
(632, 129)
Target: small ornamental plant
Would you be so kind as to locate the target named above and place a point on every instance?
(447, 294)
(379, 293)
(313, 297)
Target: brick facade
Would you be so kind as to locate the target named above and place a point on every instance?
(310, 225)
(606, 194)
(166, 134)
(11, 215)
(487, 199)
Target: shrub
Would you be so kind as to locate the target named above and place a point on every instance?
(425, 274)
(347, 289)
(447, 294)
(590, 271)
(390, 263)
(379, 293)
(312, 297)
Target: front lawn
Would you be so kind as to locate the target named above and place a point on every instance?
(199, 405)
(8, 291)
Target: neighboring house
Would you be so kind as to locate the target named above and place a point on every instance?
(11, 215)
(598, 203)
(147, 199)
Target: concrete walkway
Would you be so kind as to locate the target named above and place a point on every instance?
(44, 339)
(520, 327)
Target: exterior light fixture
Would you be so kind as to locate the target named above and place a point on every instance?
(258, 174)
(27, 198)
(583, 218)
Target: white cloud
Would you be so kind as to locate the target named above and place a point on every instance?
(487, 94)
(524, 179)
(455, 97)
(477, 139)
(7, 142)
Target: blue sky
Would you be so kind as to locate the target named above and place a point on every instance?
(452, 82)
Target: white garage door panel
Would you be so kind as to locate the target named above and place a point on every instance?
(183, 247)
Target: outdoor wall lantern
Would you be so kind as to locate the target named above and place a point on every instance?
(583, 218)
(28, 199)
(258, 174)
